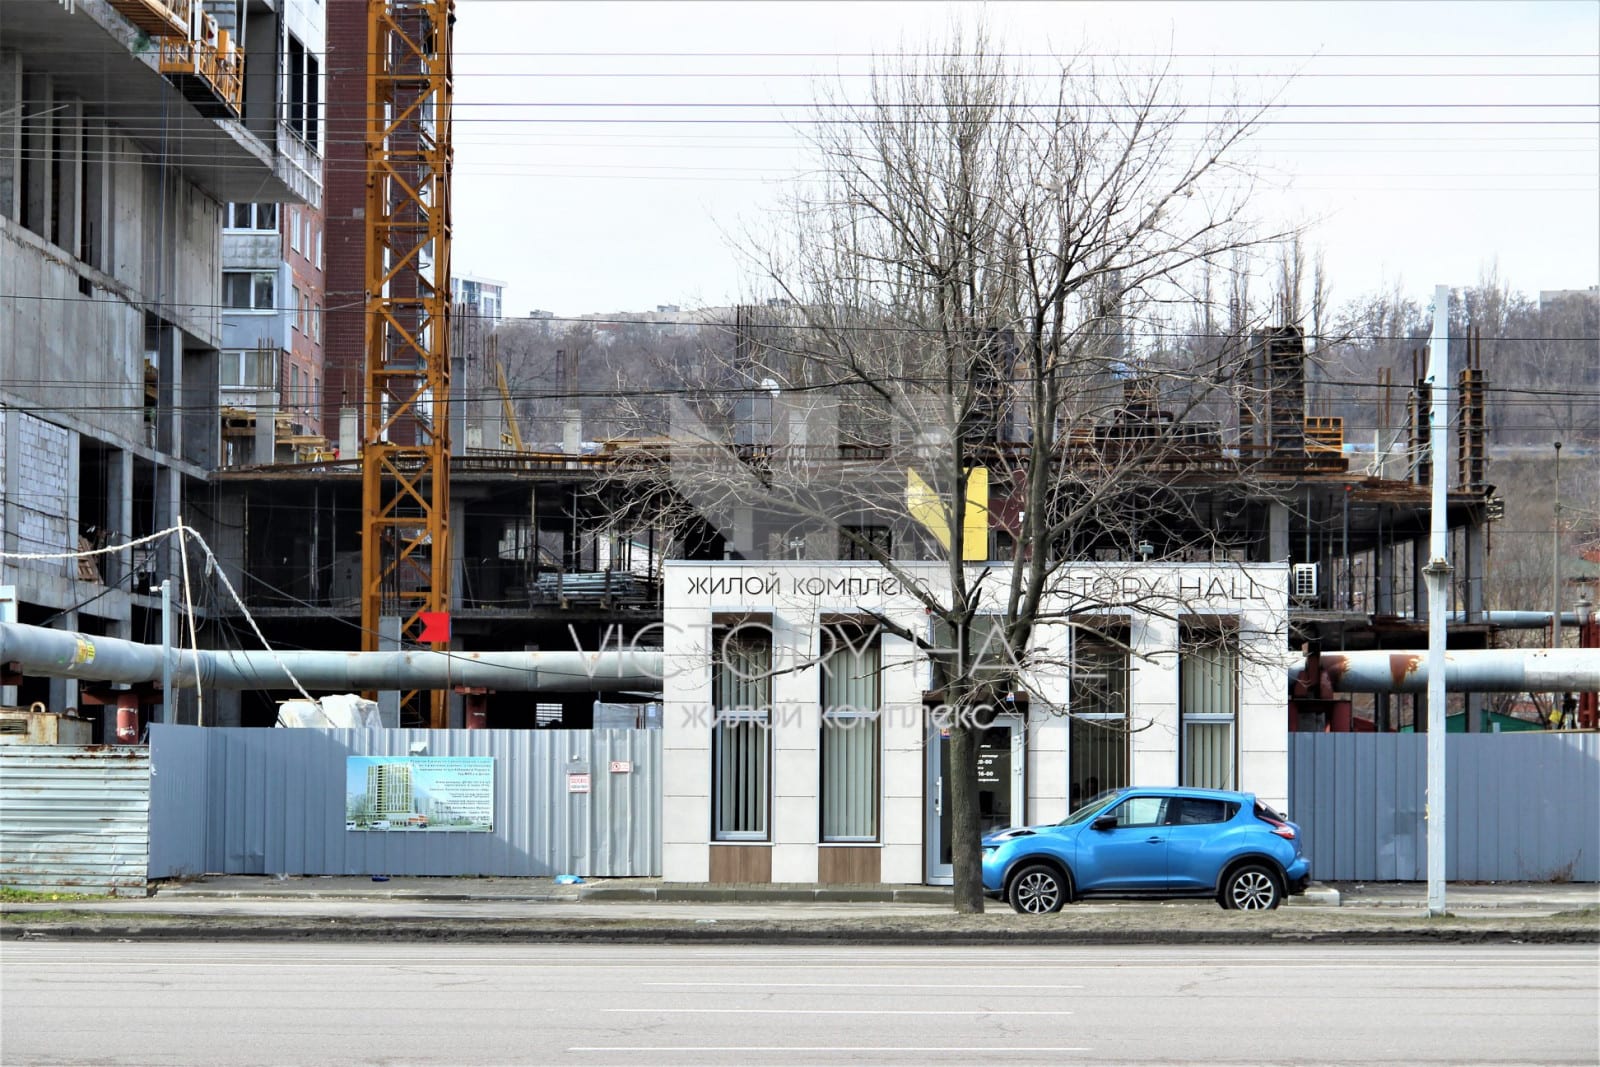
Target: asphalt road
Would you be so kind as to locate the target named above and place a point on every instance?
(128, 1003)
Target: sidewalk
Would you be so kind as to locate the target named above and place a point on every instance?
(648, 910)
(1530, 897)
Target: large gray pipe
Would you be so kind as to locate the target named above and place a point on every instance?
(60, 654)
(1517, 620)
(1493, 670)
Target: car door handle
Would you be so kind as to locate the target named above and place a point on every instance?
(1153, 840)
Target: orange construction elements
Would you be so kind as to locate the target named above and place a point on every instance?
(405, 450)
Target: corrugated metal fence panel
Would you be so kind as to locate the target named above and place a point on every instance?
(74, 819)
(179, 801)
(1522, 807)
(274, 803)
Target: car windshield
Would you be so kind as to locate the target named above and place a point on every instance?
(1086, 811)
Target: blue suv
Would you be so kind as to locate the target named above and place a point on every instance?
(1151, 843)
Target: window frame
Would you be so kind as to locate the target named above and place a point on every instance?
(850, 640)
(1110, 637)
(877, 534)
(1193, 636)
(254, 280)
(253, 212)
(744, 719)
(239, 359)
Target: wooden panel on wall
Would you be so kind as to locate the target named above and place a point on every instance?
(741, 864)
(849, 865)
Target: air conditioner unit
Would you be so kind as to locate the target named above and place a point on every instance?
(1303, 581)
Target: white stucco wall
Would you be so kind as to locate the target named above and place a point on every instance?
(798, 595)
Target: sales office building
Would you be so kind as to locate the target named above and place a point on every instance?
(799, 745)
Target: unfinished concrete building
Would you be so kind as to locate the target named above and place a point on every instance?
(548, 556)
(127, 126)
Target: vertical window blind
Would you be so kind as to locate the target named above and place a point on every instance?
(741, 694)
(850, 706)
(1208, 678)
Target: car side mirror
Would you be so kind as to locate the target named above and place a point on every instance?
(1104, 822)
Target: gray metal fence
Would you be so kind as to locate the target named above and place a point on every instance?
(242, 801)
(74, 819)
(1521, 806)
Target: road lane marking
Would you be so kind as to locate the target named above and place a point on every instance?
(827, 1011)
(985, 1049)
(971, 986)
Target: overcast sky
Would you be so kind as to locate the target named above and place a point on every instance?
(576, 186)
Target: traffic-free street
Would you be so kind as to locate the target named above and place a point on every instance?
(260, 1003)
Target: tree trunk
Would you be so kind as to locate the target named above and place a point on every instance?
(965, 839)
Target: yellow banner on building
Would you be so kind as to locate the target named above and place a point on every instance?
(925, 506)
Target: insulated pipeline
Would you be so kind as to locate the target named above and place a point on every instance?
(60, 654)
(1494, 670)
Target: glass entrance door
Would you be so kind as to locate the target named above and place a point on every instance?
(1001, 801)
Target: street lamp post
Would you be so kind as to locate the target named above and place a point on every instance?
(1555, 561)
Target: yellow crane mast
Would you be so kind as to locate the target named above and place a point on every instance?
(405, 449)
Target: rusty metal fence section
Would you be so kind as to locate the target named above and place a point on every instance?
(1521, 806)
(74, 819)
(243, 801)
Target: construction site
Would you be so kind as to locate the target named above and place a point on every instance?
(230, 307)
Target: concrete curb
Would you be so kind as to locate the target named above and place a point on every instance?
(735, 932)
(767, 894)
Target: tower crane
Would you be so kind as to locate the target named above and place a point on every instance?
(405, 447)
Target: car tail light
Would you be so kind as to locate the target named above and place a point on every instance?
(1279, 827)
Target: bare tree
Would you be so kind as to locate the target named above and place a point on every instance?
(966, 363)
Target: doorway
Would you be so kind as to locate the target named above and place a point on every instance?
(1001, 797)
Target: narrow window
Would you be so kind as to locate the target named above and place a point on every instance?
(851, 703)
(231, 368)
(1208, 669)
(236, 289)
(741, 687)
(1098, 737)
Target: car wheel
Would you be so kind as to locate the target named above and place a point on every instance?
(1250, 888)
(1039, 889)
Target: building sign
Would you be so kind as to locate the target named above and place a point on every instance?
(621, 766)
(994, 766)
(578, 783)
(1232, 586)
(419, 793)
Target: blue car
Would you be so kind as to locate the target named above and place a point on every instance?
(1150, 843)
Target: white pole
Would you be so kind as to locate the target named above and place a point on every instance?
(1437, 574)
(166, 652)
(1555, 567)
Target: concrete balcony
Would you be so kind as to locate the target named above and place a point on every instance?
(93, 50)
